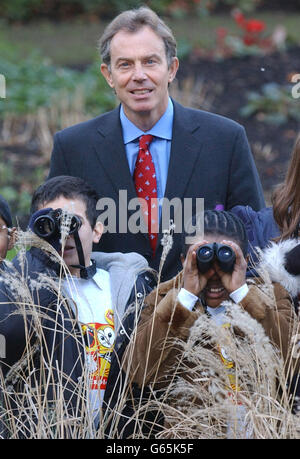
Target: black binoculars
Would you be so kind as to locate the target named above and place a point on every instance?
(223, 254)
(48, 226)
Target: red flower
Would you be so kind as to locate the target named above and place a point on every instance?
(239, 18)
(255, 26)
(249, 40)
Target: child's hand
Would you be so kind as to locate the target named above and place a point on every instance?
(193, 280)
(234, 280)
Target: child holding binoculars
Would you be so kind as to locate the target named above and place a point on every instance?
(70, 329)
(214, 274)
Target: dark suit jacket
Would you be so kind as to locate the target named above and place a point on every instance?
(210, 158)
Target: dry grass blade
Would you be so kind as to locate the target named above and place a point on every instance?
(202, 398)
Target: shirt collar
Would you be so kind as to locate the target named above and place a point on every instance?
(97, 278)
(215, 311)
(162, 129)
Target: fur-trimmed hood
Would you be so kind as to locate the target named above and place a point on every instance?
(273, 261)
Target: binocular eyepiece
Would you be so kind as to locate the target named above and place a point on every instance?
(223, 254)
(48, 226)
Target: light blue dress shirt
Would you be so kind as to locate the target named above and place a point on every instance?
(160, 147)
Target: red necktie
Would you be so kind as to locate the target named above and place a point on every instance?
(145, 185)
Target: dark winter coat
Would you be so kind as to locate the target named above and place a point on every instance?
(62, 346)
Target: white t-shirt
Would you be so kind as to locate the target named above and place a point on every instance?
(95, 311)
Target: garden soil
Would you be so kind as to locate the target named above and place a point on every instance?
(230, 81)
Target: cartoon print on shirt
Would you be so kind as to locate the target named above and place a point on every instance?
(99, 339)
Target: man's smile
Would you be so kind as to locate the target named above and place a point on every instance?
(141, 91)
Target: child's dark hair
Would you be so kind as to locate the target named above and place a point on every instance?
(70, 188)
(220, 223)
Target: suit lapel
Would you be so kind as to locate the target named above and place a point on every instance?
(110, 149)
(109, 146)
(184, 152)
(111, 153)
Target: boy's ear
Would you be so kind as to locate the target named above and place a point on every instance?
(12, 238)
(97, 231)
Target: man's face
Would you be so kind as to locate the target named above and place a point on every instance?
(87, 234)
(140, 75)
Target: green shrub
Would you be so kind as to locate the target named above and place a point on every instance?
(17, 187)
(19, 10)
(41, 97)
(34, 82)
(274, 104)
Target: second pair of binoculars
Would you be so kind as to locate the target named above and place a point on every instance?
(48, 225)
(223, 254)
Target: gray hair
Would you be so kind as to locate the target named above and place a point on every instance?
(132, 21)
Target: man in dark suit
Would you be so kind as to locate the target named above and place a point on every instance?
(196, 154)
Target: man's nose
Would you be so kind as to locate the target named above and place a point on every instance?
(139, 72)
